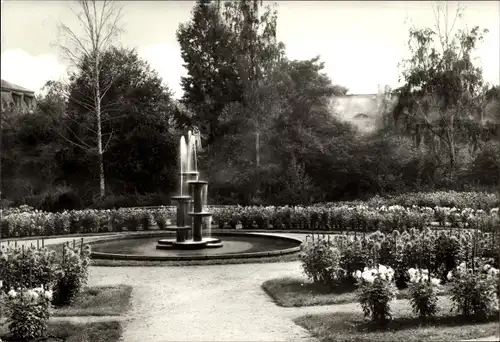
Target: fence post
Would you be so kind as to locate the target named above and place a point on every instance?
(31, 276)
(74, 244)
(37, 244)
(81, 246)
(43, 242)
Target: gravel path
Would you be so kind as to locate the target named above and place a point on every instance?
(204, 303)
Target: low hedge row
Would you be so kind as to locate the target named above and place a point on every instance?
(25, 221)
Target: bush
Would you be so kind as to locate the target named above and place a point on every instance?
(28, 268)
(160, 218)
(28, 312)
(376, 291)
(128, 201)
(55, 199)
(321, 263)
(72, 275)
(423, 292)
(473, 291)
(355, 255)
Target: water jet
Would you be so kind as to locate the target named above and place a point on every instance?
(191, 204)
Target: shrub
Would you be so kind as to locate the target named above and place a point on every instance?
(423, 292)
(355, 255)
(72, 275)
(56, 199)
(160, 219)
(321, 263)
(472, 289)
(376, 291)
(28, 312)
(27, 268)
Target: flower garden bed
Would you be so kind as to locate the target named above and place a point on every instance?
(418, 263)
(71, 332)
(361, 218)
(295, 292)
(37, 283)
(351, 326)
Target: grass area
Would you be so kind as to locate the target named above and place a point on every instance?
(350, 326)
(70, 332)
(293, 292)
(98, 301)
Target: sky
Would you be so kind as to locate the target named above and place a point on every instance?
(361, 43)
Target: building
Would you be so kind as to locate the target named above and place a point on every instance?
(17, 99)
(363, 110)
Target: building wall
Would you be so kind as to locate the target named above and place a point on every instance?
(362, 110)
(16, 99)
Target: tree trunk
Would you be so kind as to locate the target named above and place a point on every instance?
(257, 149)
(102, 184)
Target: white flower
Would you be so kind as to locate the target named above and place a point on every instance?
(449, 276)
(435, 281)
(12, 294)
(382, 276)
(48, 295)
(486, 267)
(382, 269)
(1, 284)
(358, 274)
(369, 278)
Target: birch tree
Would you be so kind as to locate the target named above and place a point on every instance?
(442, 85)
(98, 27)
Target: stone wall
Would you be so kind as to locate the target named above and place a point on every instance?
(362, 110)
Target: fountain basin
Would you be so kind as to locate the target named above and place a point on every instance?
(181, 198)
(142, 247)
(175, 228)
(206, 242)
(201, 213)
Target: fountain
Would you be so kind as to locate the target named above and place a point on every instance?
(193, 242)
(191, 204)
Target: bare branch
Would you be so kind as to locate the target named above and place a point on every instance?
(81, 144)
(107, 142)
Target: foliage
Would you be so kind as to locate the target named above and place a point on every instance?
(321, 263)
(27, 268)
(423, 292)
(376, 291)
(473, 289)
(28, 312)
(72, 274)
(226, 47)
(354, 218)
(441, 100)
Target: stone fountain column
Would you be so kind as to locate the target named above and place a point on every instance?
(189, 176)
(182, 217)
(198, 188)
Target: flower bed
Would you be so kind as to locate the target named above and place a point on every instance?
(25, 221)
(32, 279)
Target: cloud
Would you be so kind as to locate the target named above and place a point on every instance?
(28, 71)
(167, 61)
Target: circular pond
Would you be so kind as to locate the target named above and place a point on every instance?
(235, 245)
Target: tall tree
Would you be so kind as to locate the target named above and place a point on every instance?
(442, 87)
(139, 110)
(226, 48)
(99, 21)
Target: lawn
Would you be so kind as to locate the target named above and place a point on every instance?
(293, 292)
(98, 301)
(351, 326)
(70, 332)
